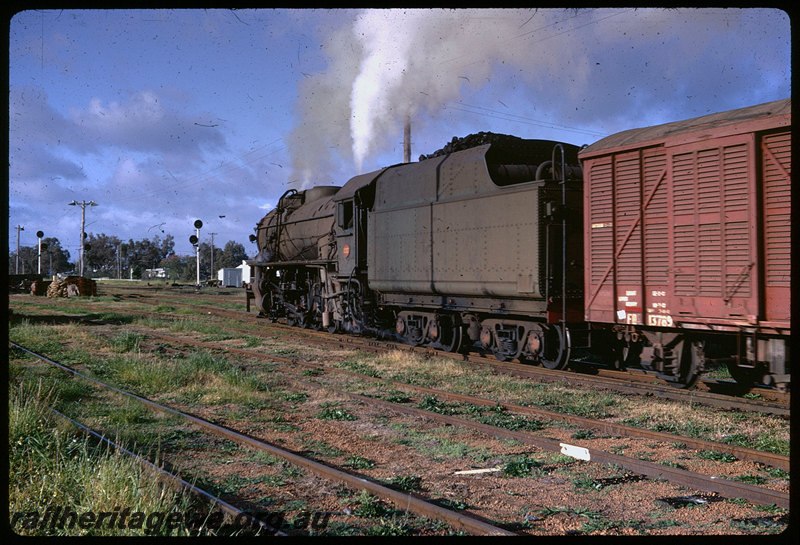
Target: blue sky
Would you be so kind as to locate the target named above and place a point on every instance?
(167, 116)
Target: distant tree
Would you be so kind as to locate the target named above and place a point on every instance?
(147, 254)
(167, 245)
(27, 263)
(55, 259)
(190, 274)
(100, 256)
(205, 260)
(58, 256)
(232, 255)
(177, 267)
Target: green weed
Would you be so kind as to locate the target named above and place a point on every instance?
(359, 462)
(336, 413)
(406, 483)
(520, 467)
(716, 456)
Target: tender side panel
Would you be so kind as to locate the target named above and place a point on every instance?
(399, 253)
(776, 160)
(487, 245)
(412, 184)
(483, 246)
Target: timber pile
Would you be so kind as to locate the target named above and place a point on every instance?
(39, 287)
(72, 286)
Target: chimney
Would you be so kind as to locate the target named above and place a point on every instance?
(407, 141)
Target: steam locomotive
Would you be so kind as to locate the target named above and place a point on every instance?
(664, 247)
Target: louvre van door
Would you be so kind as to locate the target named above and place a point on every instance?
(776, 161)
(628, 238)
(714, 210)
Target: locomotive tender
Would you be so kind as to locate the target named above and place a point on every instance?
(663, 246)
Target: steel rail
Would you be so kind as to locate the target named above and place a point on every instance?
(174, 479)
(460, 521)
(545, 375)
(633, 385)
(677, 476)
(769, 458)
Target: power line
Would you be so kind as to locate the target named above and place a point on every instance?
(506, 116)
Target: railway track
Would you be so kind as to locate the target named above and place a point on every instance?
(628, 382)
(343, 342)
(766, 458)
(711, 390)
(458, 521)
(242, 517)
(636, 386)
(696, 481)
(626, 386)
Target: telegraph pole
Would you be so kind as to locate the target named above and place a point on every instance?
(83, 205)
(212, 255)
(18, 228)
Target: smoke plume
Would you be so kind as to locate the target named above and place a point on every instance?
(390, 64)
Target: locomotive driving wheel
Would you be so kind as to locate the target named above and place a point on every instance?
(313, 317)
(261, 293)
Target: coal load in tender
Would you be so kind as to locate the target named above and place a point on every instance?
(471, 141)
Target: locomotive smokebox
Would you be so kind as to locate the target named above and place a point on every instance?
(299, 226)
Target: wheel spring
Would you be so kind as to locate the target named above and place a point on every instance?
(506, 341)
(508, 346)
